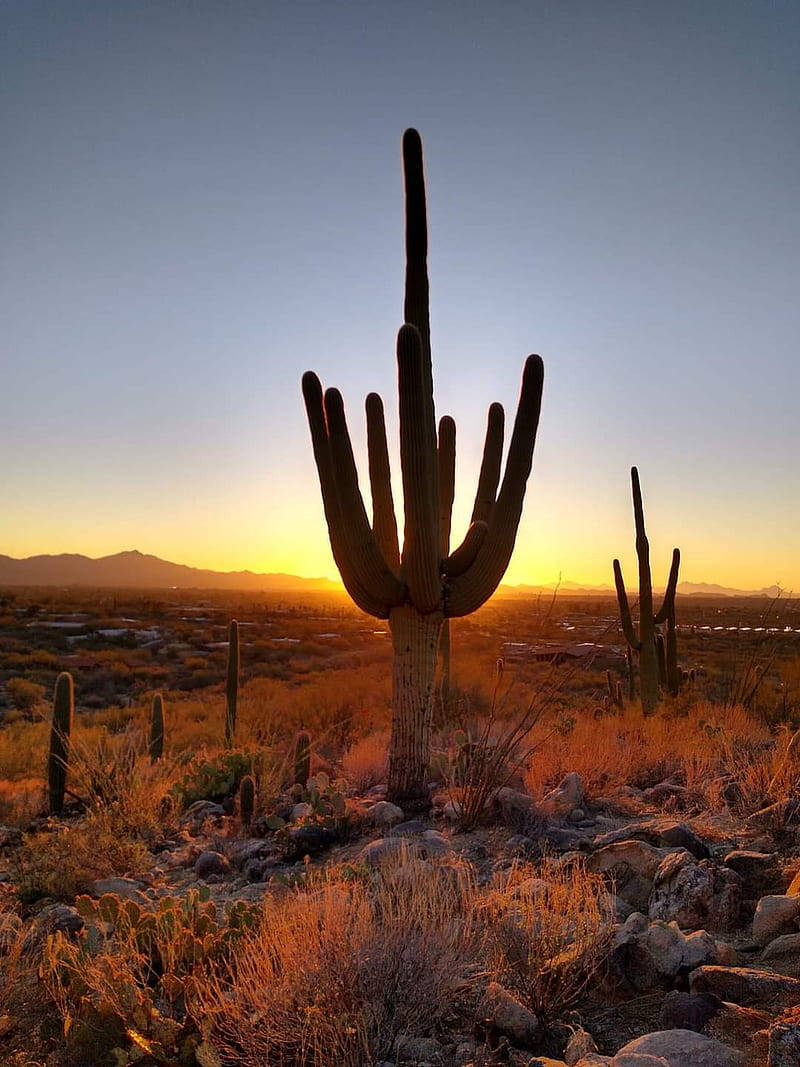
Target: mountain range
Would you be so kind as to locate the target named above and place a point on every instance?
(134, 569)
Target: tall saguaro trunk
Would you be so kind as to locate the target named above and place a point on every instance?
(415, 641)
(423, 585)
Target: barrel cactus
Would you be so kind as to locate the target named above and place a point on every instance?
(419, 587)
(156, 743)
(232, 683)
(60, 731)
(646, 642)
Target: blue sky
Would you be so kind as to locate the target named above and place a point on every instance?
(203, 200)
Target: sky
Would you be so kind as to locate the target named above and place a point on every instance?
(202, 200)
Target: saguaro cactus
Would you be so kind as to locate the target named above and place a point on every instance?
(301, 758)
(156, 744)
(645, 643)
(247, 799)
(420, 587)
(60, 731)
(232, 684)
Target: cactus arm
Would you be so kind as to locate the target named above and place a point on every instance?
(648, 654)
(489, 477)
(461, 559)
(668, 607)
(466, 593)
(419, 461)
(60, 731)
(417, 293)
(364, 551)
(625, 609)
(384, 523)
(447, 481)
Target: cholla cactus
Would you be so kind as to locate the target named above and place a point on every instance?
(301, 759)
(420, 587)
(58, 756)
(156, 743)
(232, 684)
(247, 799)
(645, 644)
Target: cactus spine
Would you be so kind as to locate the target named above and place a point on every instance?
(645, 644)
(420, 587)
(60, 731)
(301, 758)
(156, 745)
(247, 799)
(232, 685)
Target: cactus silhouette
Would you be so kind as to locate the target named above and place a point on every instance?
(301, 758)
(60, 731)
(420, 587)
(232, 684)
(645, 644)
(247, 799)
(156, 743)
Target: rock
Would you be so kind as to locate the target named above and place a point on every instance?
(385, 814)
(418, 1050)
(784, 1040)
(509, 1017)
(10, 837)
(632, 864)
(580, 1045)
(794, 886)
(754, 868)
(197, 813)
(707, 1014)
(684, 1048)
(647, 955)
(51, 919)
(409, 828)
(518, 811)
(746, 986)
(694, 893)
(210, 863)
(301, 810)
(783, 955)
(386, 850)
(309, 840)
(636, 1059)
(677, 796)
(774, 816)
(124, 888)
(565, 798)
(775, 915)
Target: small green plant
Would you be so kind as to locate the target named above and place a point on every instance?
(58, 756)
(156, 745)
(247, 799)
(213, 778)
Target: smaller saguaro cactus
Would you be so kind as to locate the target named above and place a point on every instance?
(645, 643)
(232, 684)
(631, 673)
(302, 758)
(156, 743)
(247, 799)
(60, 731)
(614, 690)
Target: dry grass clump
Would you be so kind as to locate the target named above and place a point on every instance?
(338, 971)
(547, 933)
(365, 763)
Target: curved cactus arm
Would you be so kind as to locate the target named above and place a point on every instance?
(667, 609)
(384, 522)
(447, 481)
(625, 609)
(461, 559)
(417, 292)
(643, 553)
(364, 550)
(419, 461)
(491, 463)
(348, 562)
(466, 593)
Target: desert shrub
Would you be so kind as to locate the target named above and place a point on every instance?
(548, 932)
(365, 763)
(212, 777)
(25, 695)
(338, 970)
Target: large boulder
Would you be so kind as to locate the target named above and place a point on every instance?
(505, 1014)
(631, 865)
(783, 955)
(685, 1048)
(647, 955)
(694, 893)
(775, 915)
(747, 986)
(707, 1014)
(565, 798)
(757, 870)
(519, 811)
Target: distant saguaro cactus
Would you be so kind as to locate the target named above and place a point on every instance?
(425, 584)
(232, 684)
(645, 643)
(301, 758)
(156, 743)
(60, 731)
(247, 799)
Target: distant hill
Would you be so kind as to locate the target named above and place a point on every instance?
(136, 570)
(684, 589)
